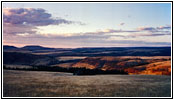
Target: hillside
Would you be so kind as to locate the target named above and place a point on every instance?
(26, 59)
(7, 47)
(36, 47)
(93, 52)
(157, 68)
(133, 60)
(133, 65)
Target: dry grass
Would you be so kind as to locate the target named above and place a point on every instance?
(147, 57)
(110, 58)
(64, 65)
(57, 84)
(154, 65)
(50, 52)
(18, 66)
(158, 68)
(70, 58)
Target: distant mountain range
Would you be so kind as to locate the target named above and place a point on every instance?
(33, 47)
(30, 47)
(97, 51)
(6, 47)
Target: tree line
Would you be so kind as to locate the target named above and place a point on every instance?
(75, 71)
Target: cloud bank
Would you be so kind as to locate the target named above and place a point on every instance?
(26, 20)
(23, 23)
(30, 16)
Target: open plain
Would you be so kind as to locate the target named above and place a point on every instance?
(58, 84)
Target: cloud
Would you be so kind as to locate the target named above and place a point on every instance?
(146, 29)
(139, 32)
(10, 29)
(26, 20)
(167, 27)
(106, 33)
(121, 24)
(164, 27)
(31, 16)
(109, 31)
(129, 16)
(132, 42)
(147, 34)
(98, 38)
(85, 41)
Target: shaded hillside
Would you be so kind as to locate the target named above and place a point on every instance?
(26, 59)
(31, 49)
(93, 52)
(123, 51)
(117, 51)
(7, 47)
(35, 47)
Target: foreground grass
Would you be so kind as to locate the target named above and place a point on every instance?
(58, 84)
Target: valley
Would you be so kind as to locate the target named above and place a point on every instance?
(36, 71)
(131, 60)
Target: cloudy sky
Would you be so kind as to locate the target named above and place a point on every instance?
(71, 25)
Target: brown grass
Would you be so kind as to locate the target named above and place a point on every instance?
(70, 58)
(57, 84)
(64, 65)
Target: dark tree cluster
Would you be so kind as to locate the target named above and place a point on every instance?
(75, 71)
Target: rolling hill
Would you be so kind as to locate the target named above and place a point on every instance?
(26, 59)
(132, 65)
(133, 60)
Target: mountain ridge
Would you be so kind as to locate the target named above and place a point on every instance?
(86, 47)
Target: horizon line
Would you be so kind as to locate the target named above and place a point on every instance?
(87, 46)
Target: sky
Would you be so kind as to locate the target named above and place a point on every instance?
(74, 25)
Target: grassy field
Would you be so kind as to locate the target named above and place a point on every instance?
(66, 58)
(58, 84)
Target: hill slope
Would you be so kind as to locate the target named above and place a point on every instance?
(132, 65)
(26, 59)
